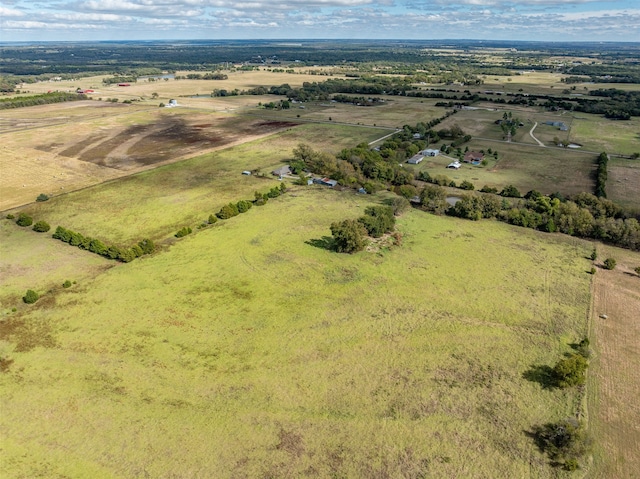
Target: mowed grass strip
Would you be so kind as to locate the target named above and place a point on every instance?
(615, 379)
(158, 202)
(246, 350)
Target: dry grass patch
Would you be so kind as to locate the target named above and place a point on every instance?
(615, 376)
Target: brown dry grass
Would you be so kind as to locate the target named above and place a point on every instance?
(615, 409)
(241, 80)
(53, 149)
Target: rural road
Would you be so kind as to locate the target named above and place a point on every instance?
(531, 134)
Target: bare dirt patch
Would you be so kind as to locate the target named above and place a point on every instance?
(616, 420)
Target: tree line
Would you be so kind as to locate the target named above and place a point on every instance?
(584, 215)
(43, 99)
(94, 245)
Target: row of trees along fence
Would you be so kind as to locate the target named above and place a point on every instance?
(146, 246)
(601, 175)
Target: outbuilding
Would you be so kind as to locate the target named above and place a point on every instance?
(325, 182)
(282, 171)
(415, 159)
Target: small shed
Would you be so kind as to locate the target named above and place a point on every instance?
(415, 159)
(325, 181)
(282, 171)
(454, 165)
(430, 152)
(246, 172)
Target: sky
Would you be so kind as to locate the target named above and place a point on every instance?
(535, 20)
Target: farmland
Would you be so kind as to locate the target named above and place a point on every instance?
(249, 348)
(273, 373)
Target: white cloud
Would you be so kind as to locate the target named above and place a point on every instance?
(10, 12)
(482, 19)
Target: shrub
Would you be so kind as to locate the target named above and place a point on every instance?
(42, 197)
(510, 191)
(583, 348)
(609, 263)
(212, 219)
(593, 270)
(637, 270)
(183, 232)
(348, 236)
(147, 246)
(400, 205)
(378, 220)
(24, 220)
(30, 297)
(66, 284)
(570, 371)
(594, 254)
(10, 216)
(228, 211)
(467, 185)
(564, 442)
(243, 206)
(41, 227)
(489, 189)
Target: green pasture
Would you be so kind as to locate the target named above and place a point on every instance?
(249, 350)
(597, 133)
(547, 170)
(30, 260)
(158, 202)
(623, 183)
(395, 112)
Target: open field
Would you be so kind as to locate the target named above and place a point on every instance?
(623, 183)
(248, 349)
(615, 377)
(241, 80)
(62, 147)
(597, 133)
(405, 362)
(525, 167)
(158, 202)
(29, 260)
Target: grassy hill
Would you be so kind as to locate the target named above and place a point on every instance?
(246, 350)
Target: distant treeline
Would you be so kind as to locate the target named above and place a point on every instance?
(205, 76)
(43, 99)
(606, 73)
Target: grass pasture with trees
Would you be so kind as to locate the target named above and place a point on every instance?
(244, 341)
(436, 344)
(526, 167)
(187, 192)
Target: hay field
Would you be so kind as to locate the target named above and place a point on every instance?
(246, 351)
(58, 148)
(241, 80)
(623, 183)
(615, 377)
(158, 202)
(597, 133)
(62, 149)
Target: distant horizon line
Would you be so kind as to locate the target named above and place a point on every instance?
(290, 40)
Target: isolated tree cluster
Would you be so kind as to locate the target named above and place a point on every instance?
(350, 236)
